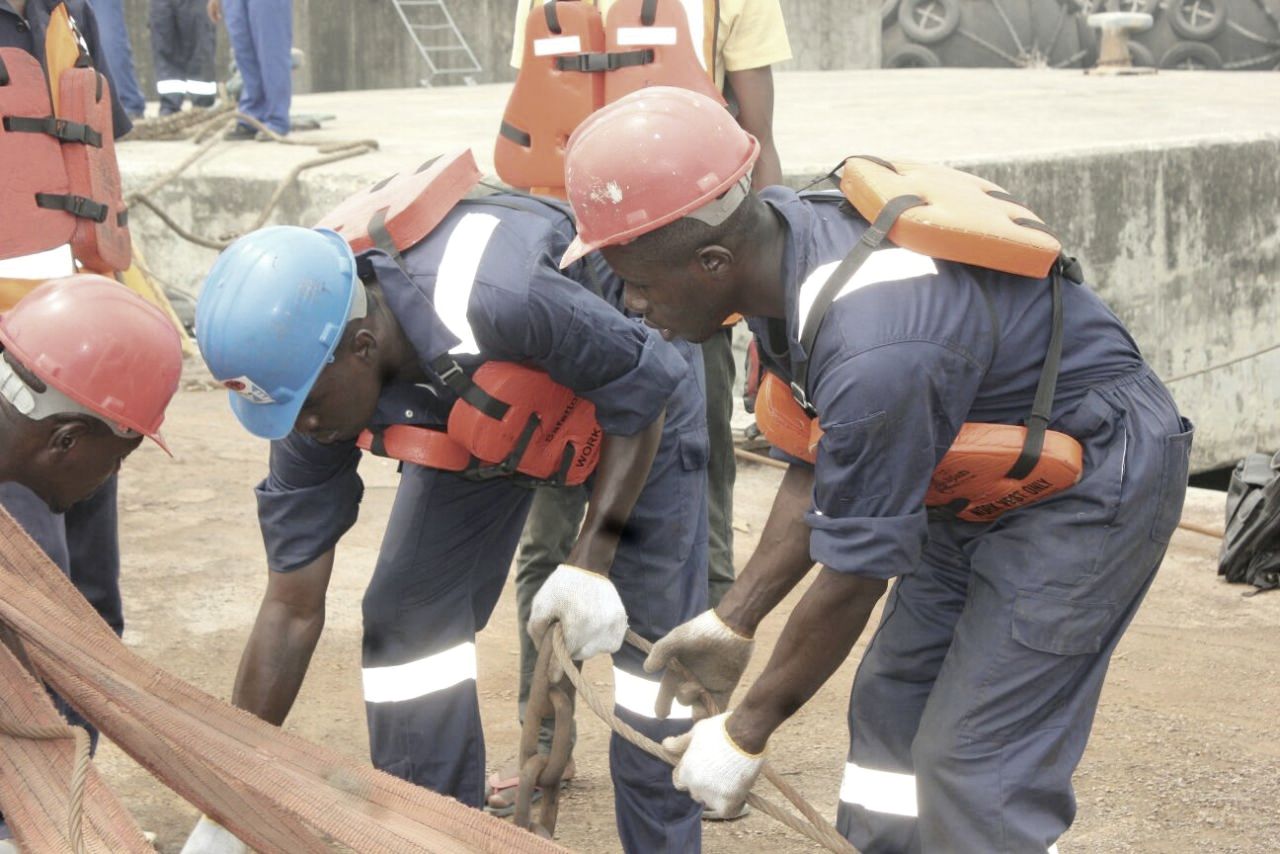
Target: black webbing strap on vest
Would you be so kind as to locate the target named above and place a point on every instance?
(593, 62)
(516, 135)
(4, 73)
(868, 243)
(445, 366)
(79, 206)
(60, 129)
(553, 20)
(1042, 406)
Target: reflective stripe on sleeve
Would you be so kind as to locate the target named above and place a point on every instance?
(398, 682)
(456, 276)
(879, 791)
(883, 265)
(639, 695)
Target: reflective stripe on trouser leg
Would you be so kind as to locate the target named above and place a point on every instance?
(878, 801)
(444, 557)
(661, 575)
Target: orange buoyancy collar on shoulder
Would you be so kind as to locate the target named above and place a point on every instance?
(510, 420)
(953, 216)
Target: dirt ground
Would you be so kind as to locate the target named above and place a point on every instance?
(1183, 756)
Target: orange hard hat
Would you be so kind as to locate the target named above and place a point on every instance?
(103, 347)
(650, 158)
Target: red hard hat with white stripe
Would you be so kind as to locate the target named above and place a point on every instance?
(650, 158)
(100, 348)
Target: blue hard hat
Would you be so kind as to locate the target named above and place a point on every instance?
(270, 316)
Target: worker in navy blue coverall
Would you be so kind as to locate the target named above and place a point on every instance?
(974, 701)
(83, 542)
(486, 277)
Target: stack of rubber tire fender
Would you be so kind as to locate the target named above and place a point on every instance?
(985, 34)
(1186, 34)
(1200, 35)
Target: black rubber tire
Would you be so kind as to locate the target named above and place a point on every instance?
(910, 56)
(1140, 55)
(928, 21)
(1191, 56)
(1198, 20)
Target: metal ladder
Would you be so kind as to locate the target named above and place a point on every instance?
(423, 17)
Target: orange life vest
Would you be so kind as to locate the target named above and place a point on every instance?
(62, 183)
(944, 213)
(576, 62)
(510, 420)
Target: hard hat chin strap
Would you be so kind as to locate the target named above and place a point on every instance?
(718, 210)
(39, 405)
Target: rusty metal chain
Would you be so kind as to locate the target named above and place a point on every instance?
(548, 694)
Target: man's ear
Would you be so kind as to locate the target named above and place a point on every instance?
(715, 259)
(365, 345)
(63, 438)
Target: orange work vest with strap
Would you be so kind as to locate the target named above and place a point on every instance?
(954, 216)
(576, 61)
(509, 420)
(61, 183)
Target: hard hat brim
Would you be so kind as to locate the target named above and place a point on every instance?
(268, 420)
(577, 250)
(159, 440)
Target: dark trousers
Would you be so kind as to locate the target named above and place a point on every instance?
(183, 41)
(974, 701)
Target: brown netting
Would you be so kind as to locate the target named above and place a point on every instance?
(274, 790)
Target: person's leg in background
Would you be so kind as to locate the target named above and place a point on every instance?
(252, 102)
(444, 558)
(169, 54)
(717, 356)
(271, 28)
(549, 534)
(115, 44)
(202, 42)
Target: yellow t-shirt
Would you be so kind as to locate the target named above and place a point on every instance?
(750, 34)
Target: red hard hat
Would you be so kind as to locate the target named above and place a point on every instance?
(648, 159)
(101, 345)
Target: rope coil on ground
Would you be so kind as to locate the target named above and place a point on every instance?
(555, 665)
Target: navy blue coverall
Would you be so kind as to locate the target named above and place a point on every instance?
(261, 34)
(974, 701)
(83, 542)
(484, 285)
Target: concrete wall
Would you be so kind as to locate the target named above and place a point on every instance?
(1183, 242)
(362, 44)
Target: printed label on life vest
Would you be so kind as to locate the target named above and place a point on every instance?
(1025, 493)
(635, 36)
(248, 389)
(556, 46)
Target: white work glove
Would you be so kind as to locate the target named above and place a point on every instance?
(209, 837)
(713, 769)
(714, 654)
(588, 608)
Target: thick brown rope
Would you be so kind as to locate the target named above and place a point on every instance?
(79, 770)
(813, 825)
(330, 152)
